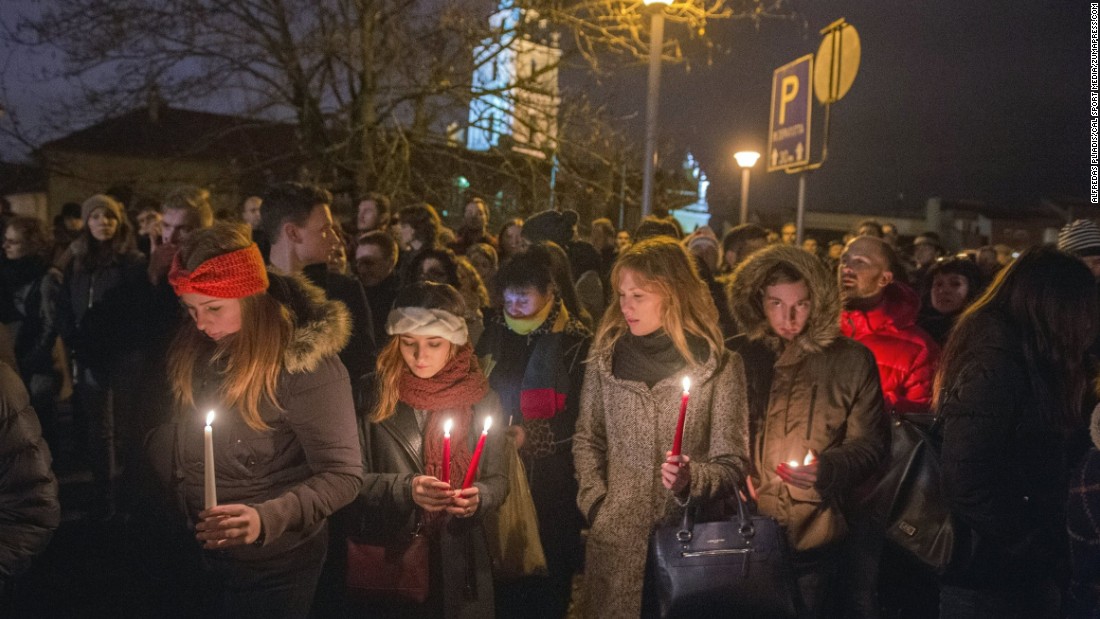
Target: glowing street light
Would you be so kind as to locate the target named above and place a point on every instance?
(746, 159)
(656, 43)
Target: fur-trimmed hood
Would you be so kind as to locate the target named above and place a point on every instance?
(322, 327)
(823, 325)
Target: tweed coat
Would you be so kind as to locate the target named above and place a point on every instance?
(623, 432)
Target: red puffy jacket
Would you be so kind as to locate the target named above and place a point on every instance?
(906, 355)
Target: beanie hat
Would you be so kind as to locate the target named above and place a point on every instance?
(1080, 238)
(98, 201)
(553, 226)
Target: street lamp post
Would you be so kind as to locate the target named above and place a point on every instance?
(656, 43)
(746, 159)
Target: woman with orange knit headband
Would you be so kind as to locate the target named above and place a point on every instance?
(285, 445)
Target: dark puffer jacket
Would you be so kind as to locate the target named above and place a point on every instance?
(905, 354)
(29, 511)
(819, 392)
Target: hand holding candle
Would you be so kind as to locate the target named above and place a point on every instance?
(445, 472)
(802, 476)
(471, 472)
(210, 492)
(678, 439)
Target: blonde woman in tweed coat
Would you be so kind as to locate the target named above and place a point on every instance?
(665, 328)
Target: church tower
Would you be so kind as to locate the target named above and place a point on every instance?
(515, 84)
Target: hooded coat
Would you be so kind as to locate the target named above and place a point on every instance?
(309, 463)
(905, 354)
(622, 435)
(818, 392)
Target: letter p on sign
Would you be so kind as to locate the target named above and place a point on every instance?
(788, 92)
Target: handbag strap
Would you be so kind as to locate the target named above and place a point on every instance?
(744, 520)
(687, 525)
(746, 528)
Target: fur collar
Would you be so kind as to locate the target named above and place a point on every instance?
(322, 327)
(747, 283)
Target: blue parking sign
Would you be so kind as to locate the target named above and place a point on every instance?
(789, 129)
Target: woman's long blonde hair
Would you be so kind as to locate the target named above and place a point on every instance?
(661, 265)
(391, 364)
(253, 356)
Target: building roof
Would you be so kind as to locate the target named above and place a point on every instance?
(1047, 208)
(185, 134)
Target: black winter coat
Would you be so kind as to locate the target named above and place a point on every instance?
(101, 311)
(36, 326)
(1005, 470)
(360, 352)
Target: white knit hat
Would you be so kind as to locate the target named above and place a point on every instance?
(1080, 238)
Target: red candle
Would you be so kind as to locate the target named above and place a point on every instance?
(472, 471)
(445, 473)
(678, 440)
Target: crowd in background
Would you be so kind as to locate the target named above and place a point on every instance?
(334, 350)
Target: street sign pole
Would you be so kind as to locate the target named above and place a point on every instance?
(801, 206)
(829, 76)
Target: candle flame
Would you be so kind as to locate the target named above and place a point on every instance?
(447, 425)
(793, 464)
(210, 418)
(687, 384)
(488, 422)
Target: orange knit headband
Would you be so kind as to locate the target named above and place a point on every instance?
(234, 275)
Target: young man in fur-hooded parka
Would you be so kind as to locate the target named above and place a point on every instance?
(817, 429)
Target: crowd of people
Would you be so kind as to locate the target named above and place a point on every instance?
(255, 395)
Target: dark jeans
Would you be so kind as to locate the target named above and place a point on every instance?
(280, 586)
(43, 389)
(1039, 600)
(94, 416)
(815, 574)
(859, 571)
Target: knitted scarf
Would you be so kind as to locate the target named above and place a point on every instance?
(451, 393)
(523, 326)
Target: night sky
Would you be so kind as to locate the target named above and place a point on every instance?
(978, 100)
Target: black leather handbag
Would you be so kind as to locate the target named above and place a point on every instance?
(909, 502)
(725, 568)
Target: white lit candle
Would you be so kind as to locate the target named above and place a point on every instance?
(210, 492)
(808, 460)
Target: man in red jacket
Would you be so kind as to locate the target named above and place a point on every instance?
(881, 314)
